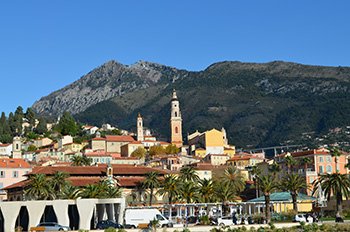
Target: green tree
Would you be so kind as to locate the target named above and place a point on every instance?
(189, 192)
(187, 173)
(336, 184)
(156, 151)
(140, 153)
(39, 188)
(233, 177)
(67, 125)
(59, 182)
(18, 120)
(71, 192)
(78, 160)
(206, 190)
(42, 127)
(294, 184)
(172, 149)
(274, 168)
(267, 185)
(30, 116)
(32, 147)
(335, 152)
(290, 162)
(151, 182)
(170, 186)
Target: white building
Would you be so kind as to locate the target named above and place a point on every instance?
(5, 149)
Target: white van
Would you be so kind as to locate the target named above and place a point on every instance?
(134, 217)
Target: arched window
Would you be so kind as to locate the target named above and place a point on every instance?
(17, 147)
(176, 130)
(175, 114)
(329, 169)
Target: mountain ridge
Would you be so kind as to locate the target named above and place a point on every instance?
(258, 103)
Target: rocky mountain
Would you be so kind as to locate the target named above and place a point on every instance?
(258, 104)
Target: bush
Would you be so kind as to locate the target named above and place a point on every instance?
(110, 229)
(204, 220)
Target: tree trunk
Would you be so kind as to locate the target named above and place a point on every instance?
(339, 204)
(267, 208)
(150, 197)
(294, 199)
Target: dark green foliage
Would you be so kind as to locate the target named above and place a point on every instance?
(42, 126)
(67, 125)
(258, 104)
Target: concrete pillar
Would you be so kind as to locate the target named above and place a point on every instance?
(250, 209)
(109, 211)
(10, 211)
(61, 210)
(85, 208)
(121, 210)
(170, 208)
(35, 211)
(101, 209)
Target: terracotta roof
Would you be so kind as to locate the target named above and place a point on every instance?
(42, 150)
(20, 184)
(217, 155)
(134, 142)
(82, 181)
(119, 138)
(98, 139)
(5, 145)
(97, 153)
(14, 163)
(129, 181)
(126, 158)
(100, 170)
(244, 157)
(228, 149)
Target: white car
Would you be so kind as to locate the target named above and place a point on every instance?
(299, 218)
(53, 226)
(225, 221)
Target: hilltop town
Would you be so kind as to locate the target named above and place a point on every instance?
(65, 160)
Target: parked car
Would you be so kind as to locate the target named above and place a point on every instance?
(299, 218)
(53, 226)
(225, 221)
(106, 224)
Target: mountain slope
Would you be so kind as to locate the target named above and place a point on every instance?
(258, 104)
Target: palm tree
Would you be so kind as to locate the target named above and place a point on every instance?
(71, 192)
(78, 160)
(39, 188)
(91, 191)
(335, 152)
(224, 193)
(274, 168)
(254, 172)
(187, 173)
(233, 177)
(206, 190)
(151, 182)
(267, 185)
(290, 162)
(170, 186)
(58, 182)
(189, 192)
(336, 184)
(306, 161)
(294, 184)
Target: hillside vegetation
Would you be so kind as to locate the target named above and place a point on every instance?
(258, 104)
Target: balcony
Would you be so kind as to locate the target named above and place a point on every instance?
(311, 173)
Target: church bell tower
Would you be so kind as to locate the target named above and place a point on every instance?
(176, 121)
(140, 136)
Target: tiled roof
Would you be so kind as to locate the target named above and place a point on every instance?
(82, 181)
(5, 144)
(20, 184)
(14, 163)
(97, 153)
(98, 139)
(125, 158)
(129, 181)
(119, 138)
(118, 169)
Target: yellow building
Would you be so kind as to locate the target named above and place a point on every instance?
(129, 148)
(212, 141)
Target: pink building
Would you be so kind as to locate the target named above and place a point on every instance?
(11, 172)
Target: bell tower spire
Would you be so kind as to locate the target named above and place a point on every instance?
(176, 121)
(140, 136)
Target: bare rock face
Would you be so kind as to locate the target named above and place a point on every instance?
(107, 81)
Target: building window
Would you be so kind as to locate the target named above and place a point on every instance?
(329, 169)
(2, 174)
(176, 130)
(321, 169)
(328, 159)
(321, 159)
(15, 174)
(17, 147)
(311, 180)
(175, 114)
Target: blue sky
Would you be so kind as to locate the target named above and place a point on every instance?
(45, 45)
